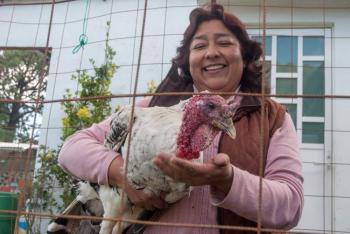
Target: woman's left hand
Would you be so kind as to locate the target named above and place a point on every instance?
(218, 172)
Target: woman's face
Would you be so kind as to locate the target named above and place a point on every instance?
(216, 62)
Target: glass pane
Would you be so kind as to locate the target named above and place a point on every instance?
(313, 107)
(286, 86)
(268, 72)
(313, 77)
(313, 46)
(313, 133)
(292, 110)
(268, 43)
(287, 54)
(313, 84)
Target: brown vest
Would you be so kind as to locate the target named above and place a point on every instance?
(245, 150)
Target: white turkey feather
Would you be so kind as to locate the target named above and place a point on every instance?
(154, 130)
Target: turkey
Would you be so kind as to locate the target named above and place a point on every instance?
(183, 130)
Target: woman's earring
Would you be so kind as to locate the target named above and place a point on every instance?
(183, 75)
(180, 72)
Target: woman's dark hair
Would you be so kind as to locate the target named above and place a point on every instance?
(251, 52)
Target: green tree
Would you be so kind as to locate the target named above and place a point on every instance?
(20, 72)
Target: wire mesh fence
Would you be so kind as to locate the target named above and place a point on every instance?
(304, 42)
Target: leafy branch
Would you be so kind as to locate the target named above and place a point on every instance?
(77, 115)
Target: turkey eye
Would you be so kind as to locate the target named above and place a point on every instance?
(211, 105)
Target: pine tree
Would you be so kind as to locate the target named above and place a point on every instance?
(20, 73)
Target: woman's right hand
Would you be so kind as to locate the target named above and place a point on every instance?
(146, 200)
(139, 198)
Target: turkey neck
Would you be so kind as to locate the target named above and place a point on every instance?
(190, 123)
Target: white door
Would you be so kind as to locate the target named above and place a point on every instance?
(299, 61)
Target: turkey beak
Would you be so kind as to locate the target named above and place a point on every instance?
(226, 125)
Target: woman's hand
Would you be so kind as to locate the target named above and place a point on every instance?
(218, 172)
(146, 200)
(139, 198)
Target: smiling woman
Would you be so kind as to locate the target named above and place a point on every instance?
(216, 54)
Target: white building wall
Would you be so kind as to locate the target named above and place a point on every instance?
(327, 200)
(26, 26)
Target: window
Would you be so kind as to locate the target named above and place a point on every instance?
(313, 46)
(286, 86)
(287, 54)
(313, 84)
(297, 67)
(313, 132)
(268, 43)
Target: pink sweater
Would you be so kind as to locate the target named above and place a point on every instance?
(84, 156)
